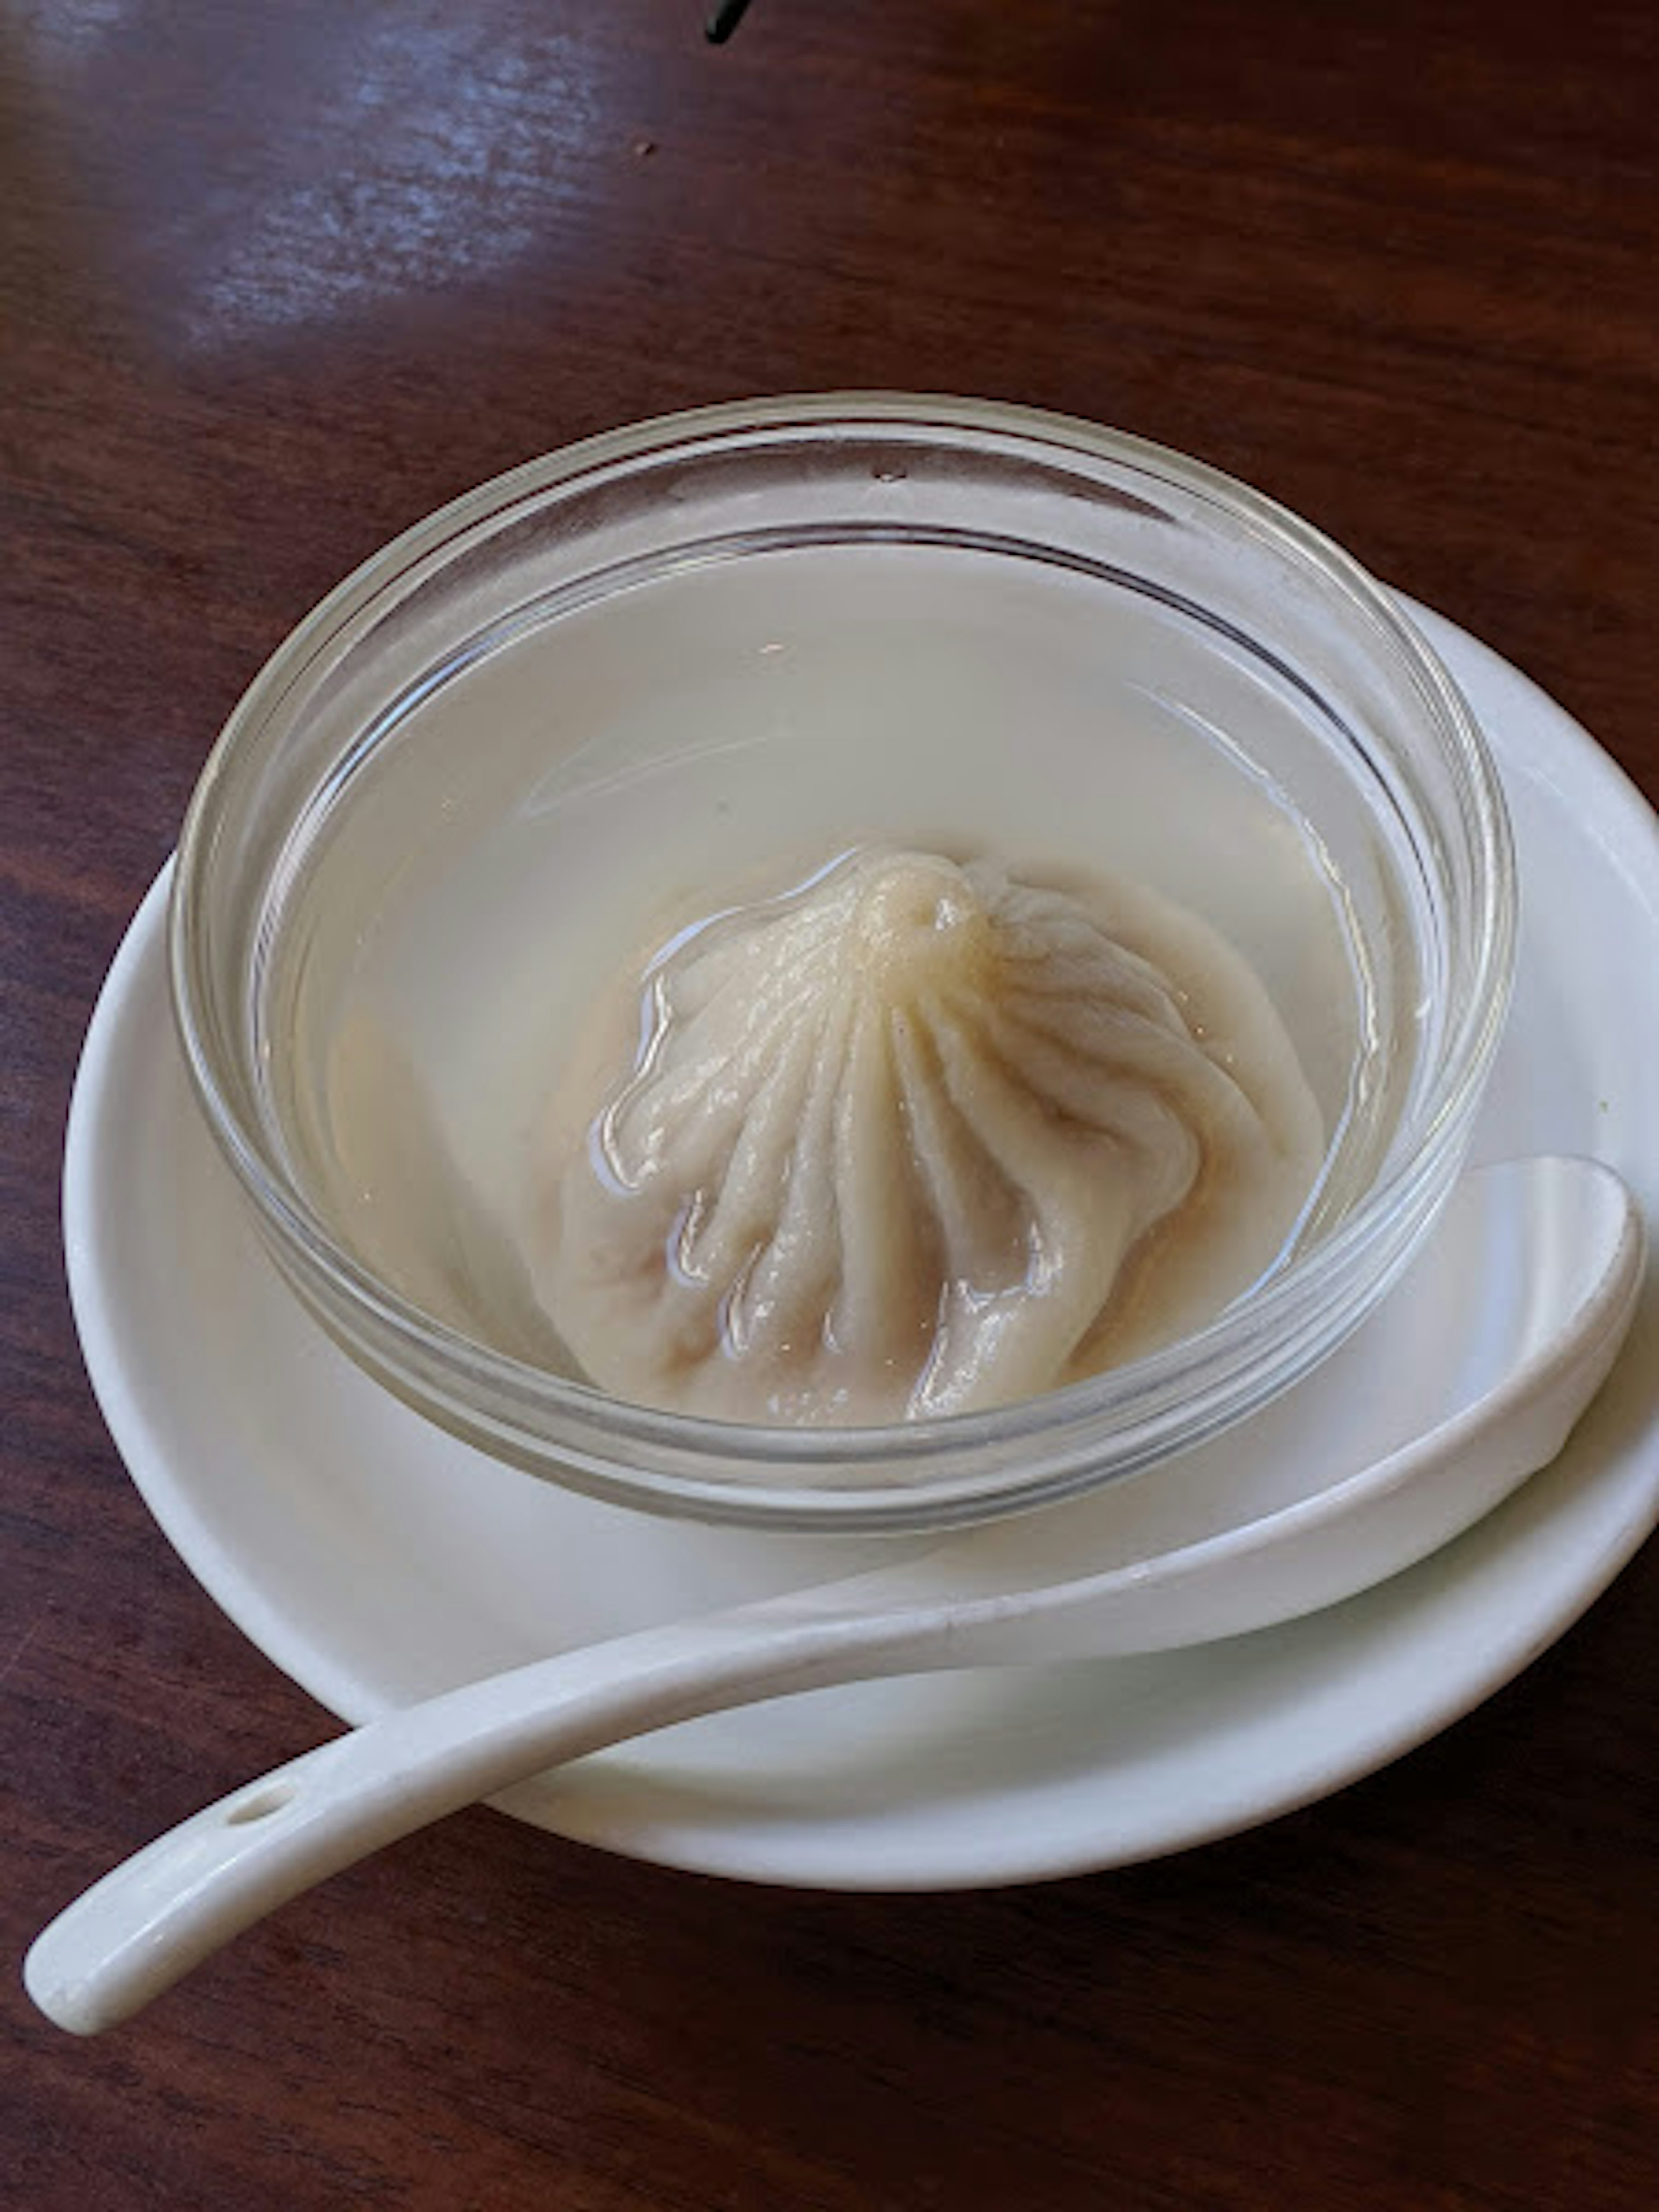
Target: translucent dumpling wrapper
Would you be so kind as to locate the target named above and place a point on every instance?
(917, 1138)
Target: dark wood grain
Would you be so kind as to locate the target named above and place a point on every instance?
(274, 281)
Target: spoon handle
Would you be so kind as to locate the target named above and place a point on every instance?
(163, 1911)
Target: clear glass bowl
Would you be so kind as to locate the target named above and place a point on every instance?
(895, 615)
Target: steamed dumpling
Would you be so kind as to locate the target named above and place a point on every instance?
(917, 1138)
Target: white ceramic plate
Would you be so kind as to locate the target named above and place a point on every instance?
(376, 1561)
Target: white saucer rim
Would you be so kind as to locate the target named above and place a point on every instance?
(1365, 1754)
(225, 1578)
(220, 1573)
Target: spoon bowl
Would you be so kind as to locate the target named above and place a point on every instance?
(1469, 1379)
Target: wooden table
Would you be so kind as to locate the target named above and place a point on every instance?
(274, 283)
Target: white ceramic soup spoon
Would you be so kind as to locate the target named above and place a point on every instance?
(1532, 1275)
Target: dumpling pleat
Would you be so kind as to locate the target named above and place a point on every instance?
(885, 1303)
(795, 1271)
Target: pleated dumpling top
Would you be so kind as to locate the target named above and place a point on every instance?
(917, 1138)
